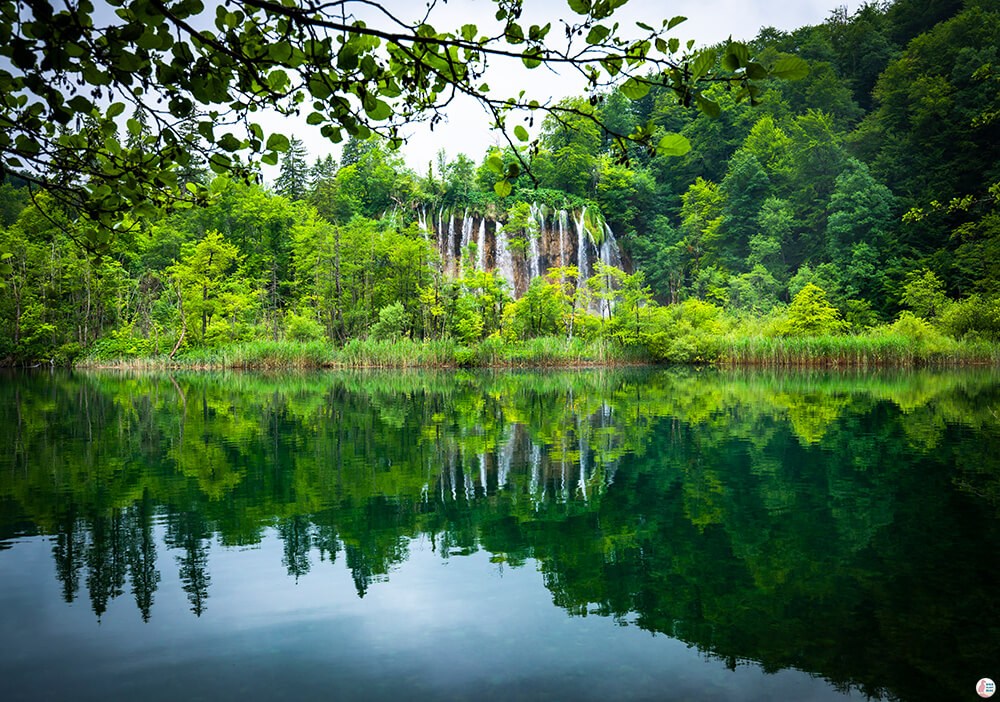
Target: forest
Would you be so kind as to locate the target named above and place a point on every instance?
(851, 215)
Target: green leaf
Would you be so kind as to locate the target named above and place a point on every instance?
(115, 109)
(612, 64)
(277, 79)
(703, 63)
(756, 71)
(469, 32)
(270, 159)
(532, 57)
(379, 111)
(277, 142)
(635, 89)
(80, 104)
(597, 34)
(673, 145)
(675, 21)
(502, 188)
(790, 68)
(580, 7)
(133, 127)
(314, 118)
(229, 143)
(514, 33)
(495, 164)
(513, 171)
(521, 133)
(737, 56)
(709, 107)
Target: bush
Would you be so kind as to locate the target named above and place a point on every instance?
(913, 327)
(811, 314)
(974, 318)
(302, 328)
(391, 322)
(119, 343)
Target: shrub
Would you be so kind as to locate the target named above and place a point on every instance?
(973, 318)
(913, 327)
(391, 322)
(302, 328)
(811, 314)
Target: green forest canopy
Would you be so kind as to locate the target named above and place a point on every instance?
(804, 189)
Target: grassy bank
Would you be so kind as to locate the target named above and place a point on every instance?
(732, 349)
(403, 353)
(863, 351)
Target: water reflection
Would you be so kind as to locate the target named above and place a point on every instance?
(832, 523)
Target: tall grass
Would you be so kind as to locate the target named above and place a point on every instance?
(878, 348)
(399, 353)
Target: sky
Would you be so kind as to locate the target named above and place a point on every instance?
(466, 129)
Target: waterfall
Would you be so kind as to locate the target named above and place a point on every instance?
(534, 254)
(481, 253)
(582, 246)
(422, 223)
(563, 217)
(449, 249)
(440, 231)
(504, 261)
(610, 253)
(466, 238)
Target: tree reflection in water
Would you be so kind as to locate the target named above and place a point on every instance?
(830, 522)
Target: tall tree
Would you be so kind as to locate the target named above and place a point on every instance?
(293, 180)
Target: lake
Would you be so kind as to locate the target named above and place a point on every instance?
(546, 535)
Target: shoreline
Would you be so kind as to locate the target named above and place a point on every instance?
(834, 352)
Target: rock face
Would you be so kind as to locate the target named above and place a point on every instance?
(563, 238)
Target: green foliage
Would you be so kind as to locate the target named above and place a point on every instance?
(302, 328)
(392, 322)
(975, 318)
(924, 294)
(810, 314)
(293, 180)
(213, 71)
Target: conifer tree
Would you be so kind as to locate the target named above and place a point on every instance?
(294, 178)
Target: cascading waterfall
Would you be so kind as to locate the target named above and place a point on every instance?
(533, 252)
(422, 223)
(481, 243)
(610, 253)
(454, 238)
(440, 232)
(450, 241)
(582, 245)
(466, 238)
(505, 262)
(563, 217)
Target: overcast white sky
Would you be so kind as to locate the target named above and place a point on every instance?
(466, 130)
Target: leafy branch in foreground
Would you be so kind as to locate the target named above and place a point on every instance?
(352, 67)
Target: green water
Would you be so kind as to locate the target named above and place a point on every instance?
(550, 535)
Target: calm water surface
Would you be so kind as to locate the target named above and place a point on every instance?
(540, 536)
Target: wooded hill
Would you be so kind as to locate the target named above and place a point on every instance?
(875, 179)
